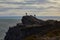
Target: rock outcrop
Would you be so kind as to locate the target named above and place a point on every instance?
(20, 31)
(29, 20)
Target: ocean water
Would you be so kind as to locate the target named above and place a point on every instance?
(6, 22)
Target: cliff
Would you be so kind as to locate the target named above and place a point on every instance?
(35, 27)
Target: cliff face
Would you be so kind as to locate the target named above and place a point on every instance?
(21, 32)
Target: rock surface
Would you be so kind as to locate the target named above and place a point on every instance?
(29, 20)
(20, 31)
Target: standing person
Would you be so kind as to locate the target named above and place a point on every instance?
(26, 14)
(34, 15)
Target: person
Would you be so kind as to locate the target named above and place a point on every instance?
(34, 15)
(26, 14)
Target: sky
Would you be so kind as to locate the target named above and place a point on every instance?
(37, 7)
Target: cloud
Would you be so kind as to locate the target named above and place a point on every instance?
(12, 0)
(38, 7)
(23, 2)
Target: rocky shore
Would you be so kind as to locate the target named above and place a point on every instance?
(32, 28)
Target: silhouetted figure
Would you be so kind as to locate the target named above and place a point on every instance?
(26, 14)
(34, 15)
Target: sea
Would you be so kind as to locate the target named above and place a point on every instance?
(10, 21)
